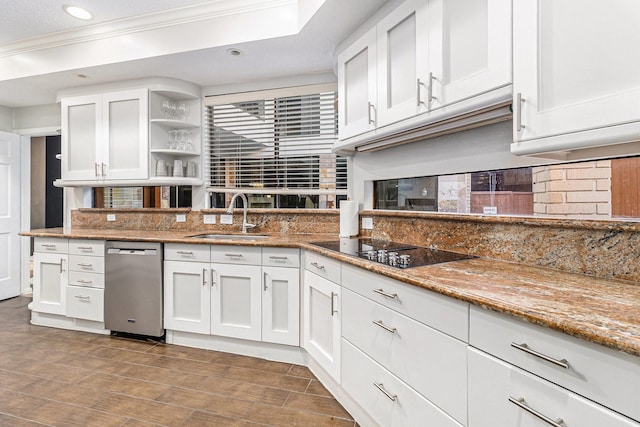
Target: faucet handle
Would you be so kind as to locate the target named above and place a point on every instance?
(248, 225)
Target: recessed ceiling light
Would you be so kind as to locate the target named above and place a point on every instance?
(234, 51)
(77, 12)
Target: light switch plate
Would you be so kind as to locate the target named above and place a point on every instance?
(209, 219)
(226, 219)
(111, 217)
(181, 218)
(367, 223)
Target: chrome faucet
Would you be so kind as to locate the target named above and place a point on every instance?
(245, 205)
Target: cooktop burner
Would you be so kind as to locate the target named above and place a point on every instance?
(391, 253)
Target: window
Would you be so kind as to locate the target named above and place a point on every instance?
(275, 148)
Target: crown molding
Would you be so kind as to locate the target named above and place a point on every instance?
(158, 20)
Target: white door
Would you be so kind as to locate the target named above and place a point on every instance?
(125, 123)
(575, 68)
(281, 305)
(469, 48)
(322, 328)
(186, 296)
(236, 307)
(9, 215)
(403, 71)
(357, 87)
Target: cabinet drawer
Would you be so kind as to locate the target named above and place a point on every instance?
(51, 245)
(90, 280)
(322, 266)
(433, 363)
(397, 405)
(180, 252)
(88, 264)
(85, 303)
(86, 247)
(492, 383)
(591, 370)
(281, 257)
(236, 255)
(437, 311)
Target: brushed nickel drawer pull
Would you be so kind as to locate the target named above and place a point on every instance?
(85, 248)
(385, 327)
(385, 294)
(430, 96)
(86, 282)
(418, 85)
(380, 387)
(61, 268)
(82, 264)
(371, 120)
(48, 245)
(264, 281)
(80, 297)
(279, 258)
(204, 277)
(185, 253)
(213, 277)
(524, 347)
(318, 266)
(234, 255)
(519, 402)
(518, 110)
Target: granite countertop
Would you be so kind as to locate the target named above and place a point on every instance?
(603, 311)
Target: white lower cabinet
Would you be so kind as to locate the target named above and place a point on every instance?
(501, 395)
(387, 399)
(234, 295)
(322, 322)
(432, 363)
(281, 305)
(50, 282)
(236, 301)
(187, 297)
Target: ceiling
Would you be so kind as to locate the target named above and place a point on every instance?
(34, 29)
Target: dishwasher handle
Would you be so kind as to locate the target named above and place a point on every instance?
(127, 251)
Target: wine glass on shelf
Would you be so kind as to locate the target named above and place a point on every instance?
(166, 107)
(180, 140)
(172, 140)
(182, 111)
(188, 145)
(173, 109)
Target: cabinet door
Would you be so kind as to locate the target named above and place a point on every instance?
(49, 282)
(501, 395)
(357, 87)
(81, 130)
(125, 118)
(281, 305)
(469, 48)
(574, 70)
(403, 69)
(186, 296)
(322, 322)
(236, 307)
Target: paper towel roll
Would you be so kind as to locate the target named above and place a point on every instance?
(348, 218)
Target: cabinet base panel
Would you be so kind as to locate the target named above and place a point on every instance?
(263, 350)
(62, 322)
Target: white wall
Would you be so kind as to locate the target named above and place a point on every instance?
(38, 119)
(6, 119)
(484, 148)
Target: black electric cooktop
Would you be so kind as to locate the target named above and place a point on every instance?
(391, 253)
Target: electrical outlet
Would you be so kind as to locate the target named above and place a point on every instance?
(226, 219)
(209, 219)
(111, 217)
(367, 223)
(181, 218)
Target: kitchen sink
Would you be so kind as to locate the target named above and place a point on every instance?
(230, 236)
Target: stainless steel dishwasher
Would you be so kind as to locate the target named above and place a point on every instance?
(133, 288)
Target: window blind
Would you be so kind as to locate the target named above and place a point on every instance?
(274, 145)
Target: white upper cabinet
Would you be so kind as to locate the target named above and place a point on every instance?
(403, 68)
(576, 75)
(357, 86)
(431, 60)
(105, 136)
(469, 48)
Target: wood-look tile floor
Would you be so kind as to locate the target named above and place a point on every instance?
(56, 377)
